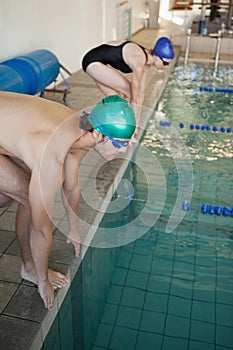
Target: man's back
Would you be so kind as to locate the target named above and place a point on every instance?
(27, 123)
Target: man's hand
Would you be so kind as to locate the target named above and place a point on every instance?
(75, 240)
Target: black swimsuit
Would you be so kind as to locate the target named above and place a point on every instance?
(109, 54)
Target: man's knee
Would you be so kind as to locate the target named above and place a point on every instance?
(5, 201)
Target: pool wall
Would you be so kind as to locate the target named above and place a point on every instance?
(76, 323)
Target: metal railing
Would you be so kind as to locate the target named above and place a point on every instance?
(217, 52)
(124, 21)
(189, 31)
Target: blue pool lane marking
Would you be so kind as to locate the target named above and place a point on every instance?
(207, 128)
(199, 127)
(216, 210)
(217, 89)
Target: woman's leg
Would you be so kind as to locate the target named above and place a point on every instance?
(109, 81)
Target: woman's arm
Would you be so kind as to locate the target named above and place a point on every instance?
(137, 62)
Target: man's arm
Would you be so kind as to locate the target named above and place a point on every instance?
(45, 181)
(71, 196)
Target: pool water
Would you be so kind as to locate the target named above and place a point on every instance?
(190, 111)
(167, 289)
(175, 290)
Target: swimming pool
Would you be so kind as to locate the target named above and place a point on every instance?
(171, 288)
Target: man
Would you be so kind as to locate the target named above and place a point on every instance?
(51, 139)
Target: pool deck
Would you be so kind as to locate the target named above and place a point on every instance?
(24, 322)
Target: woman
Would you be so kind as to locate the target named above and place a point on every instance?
(104, 62)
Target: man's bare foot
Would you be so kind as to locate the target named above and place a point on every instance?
(46, 292)
(57, 279)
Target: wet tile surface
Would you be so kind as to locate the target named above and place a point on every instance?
(26, 305)
(17, 333)
(6, 238)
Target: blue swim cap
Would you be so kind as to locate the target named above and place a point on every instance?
(113, 116)
(163, 48)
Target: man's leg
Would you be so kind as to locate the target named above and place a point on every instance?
(14, 184)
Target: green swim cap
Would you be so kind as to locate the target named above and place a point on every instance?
(113, 116)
